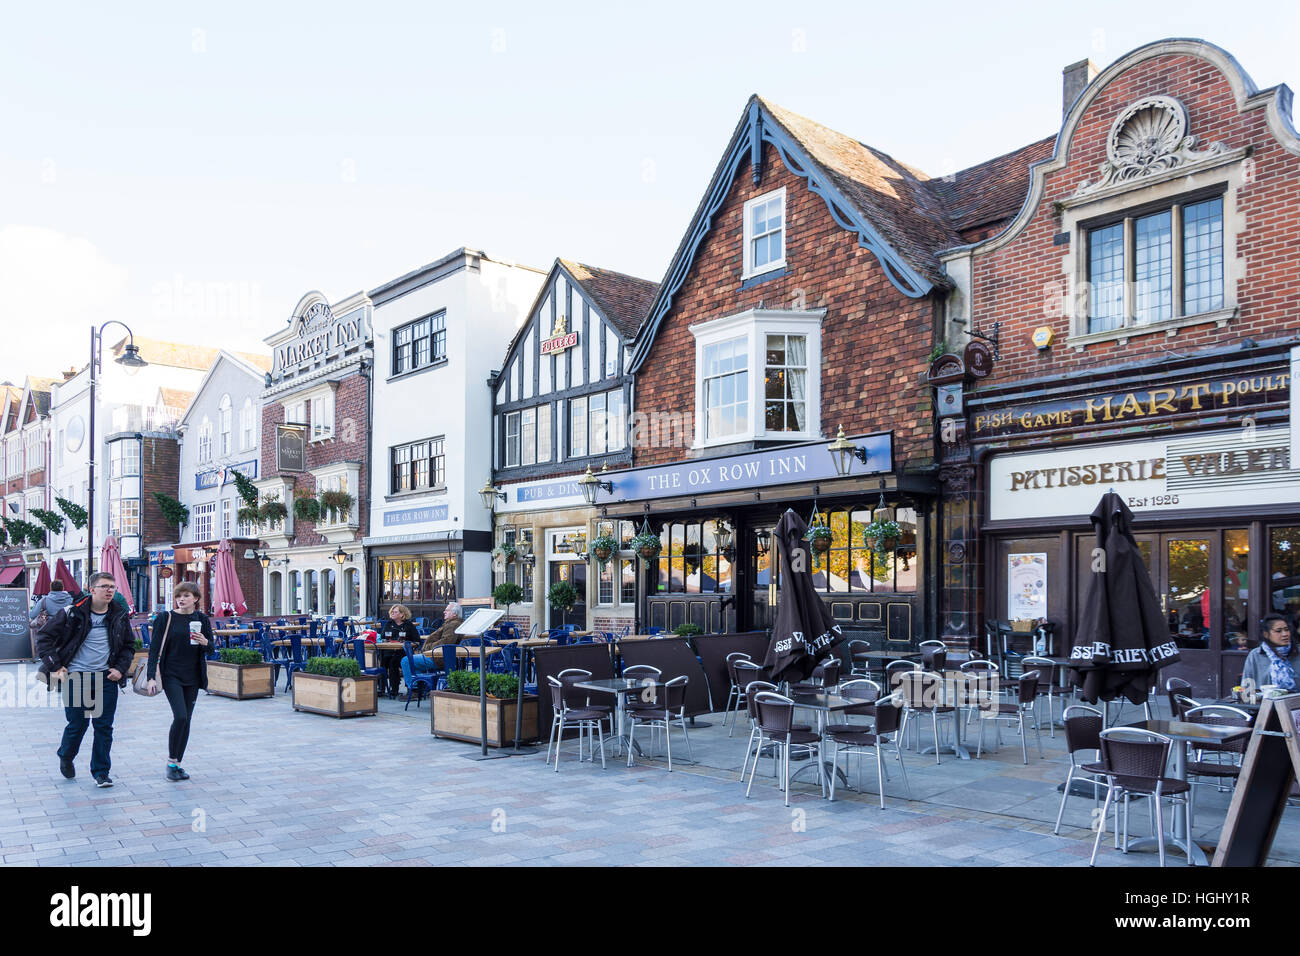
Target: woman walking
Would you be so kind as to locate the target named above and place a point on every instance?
(178, 658)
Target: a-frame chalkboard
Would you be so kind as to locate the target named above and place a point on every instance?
(1269, 770)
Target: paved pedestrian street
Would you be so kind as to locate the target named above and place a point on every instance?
(271, 786)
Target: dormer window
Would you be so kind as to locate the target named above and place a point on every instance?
(765, 233)
(1167, 263)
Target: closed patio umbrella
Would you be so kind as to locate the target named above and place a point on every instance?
(804, 632)
(110, 560)
(227, 596)
(1122, 638)
(61, 573)
(42, 585)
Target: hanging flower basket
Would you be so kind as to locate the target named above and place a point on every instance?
(647, 545)
(504, 552)
(604, 547)
(882, 537)
(819, 538)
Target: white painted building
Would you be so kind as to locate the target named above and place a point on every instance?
(439, 333)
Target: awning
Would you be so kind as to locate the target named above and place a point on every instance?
(8, 575)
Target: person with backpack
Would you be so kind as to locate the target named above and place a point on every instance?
(51, 604)
(178, 652)
(85, 649)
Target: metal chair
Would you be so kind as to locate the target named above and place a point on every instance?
(566, 716)
(1046, 688)
(862, 689)
(922, 693)
(739, 680)
(1181, 705)
(1174, 687)
(1229, 755)
(894, 668)
(1083, 725)
(752, 688)
(859, 665)
(668, 704)
(417, 682)
(1133, 762)
(359, 652)
(776, 727)
(853, 740)
(1015, 713)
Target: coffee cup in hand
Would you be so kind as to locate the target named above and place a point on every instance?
(196, 631)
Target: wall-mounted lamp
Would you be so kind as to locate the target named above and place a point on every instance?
(489, 493)
(844, 451)
(591, 485)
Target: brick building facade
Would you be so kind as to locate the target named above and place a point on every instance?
(1148, 328)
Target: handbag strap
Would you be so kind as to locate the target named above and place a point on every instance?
(163, 646)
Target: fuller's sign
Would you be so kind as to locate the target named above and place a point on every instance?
(1143, 405)
(560, 338)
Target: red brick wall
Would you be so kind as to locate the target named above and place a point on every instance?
(351, 425)
(875, 341)
(159, 471)
(1008, 284)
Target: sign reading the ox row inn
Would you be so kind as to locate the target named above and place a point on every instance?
(779, 466)
(1205, 396)
(319, 332)
(290, 448)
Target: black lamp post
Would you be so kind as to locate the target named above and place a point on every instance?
(129, 359)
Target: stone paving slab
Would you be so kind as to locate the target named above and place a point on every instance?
(271, 786)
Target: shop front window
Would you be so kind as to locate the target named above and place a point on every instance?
(1284, 572)
(1236, 623)
(352, 588)
(273, 586)
(329, 591)
(295, 592)
(851, 565)
(691, 561)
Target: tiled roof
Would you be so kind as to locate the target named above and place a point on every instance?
(184, 355)
(892, 195)
(991, 193)
(41, 394)
(175, 398)
(622, 298)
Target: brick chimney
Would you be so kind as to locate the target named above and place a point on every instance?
(1075, 77)
(70, 374)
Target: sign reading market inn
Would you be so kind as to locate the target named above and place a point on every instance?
(318, 333)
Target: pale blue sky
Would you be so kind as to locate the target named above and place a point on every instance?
(194, 169)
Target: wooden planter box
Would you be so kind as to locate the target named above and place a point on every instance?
(456, 717)
(241, 681)
(319, 694)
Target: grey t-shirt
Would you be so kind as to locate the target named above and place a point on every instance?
(93, 653)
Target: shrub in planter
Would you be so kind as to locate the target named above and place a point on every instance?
(500, 686)
(139, 644)
(334, 686)
(241, 674)
(507, 593)
(333, 667)
(562, 596)
(456, 712)
(687, 630)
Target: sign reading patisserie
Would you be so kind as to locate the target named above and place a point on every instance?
(1141, 405)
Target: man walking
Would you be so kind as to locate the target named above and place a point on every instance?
(86, 648)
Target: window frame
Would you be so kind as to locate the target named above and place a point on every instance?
(431, 344)
(755, 325)
(749, 270)
(434, 443)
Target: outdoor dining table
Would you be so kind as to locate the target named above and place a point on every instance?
(822, 704)
(620, 687)
(958, 692)
(1185, 734)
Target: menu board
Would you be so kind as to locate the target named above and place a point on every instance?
(15, 633)
(1026, 587)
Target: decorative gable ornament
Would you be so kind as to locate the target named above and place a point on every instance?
(1148, 138)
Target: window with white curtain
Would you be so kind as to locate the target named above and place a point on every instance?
(224, 416)
(247, 425)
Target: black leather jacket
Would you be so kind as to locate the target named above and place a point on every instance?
(59, 640)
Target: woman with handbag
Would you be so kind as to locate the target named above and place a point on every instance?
(178, 662)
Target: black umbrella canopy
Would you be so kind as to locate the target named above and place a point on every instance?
(804, 632)
(1122, 638)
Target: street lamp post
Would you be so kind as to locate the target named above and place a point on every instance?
(130, 358)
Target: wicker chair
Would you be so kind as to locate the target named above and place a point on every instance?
(1133, 763)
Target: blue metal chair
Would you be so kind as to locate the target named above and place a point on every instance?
(509, 658)
(144, 635)
(359, 652)
(451, 661)
(295, 661)
(418, 682)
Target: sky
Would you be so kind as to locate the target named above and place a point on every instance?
(194, 169)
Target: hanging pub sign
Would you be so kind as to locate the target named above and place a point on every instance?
(560, 338)
(1203, 396)
(978, 359)
(290, 448)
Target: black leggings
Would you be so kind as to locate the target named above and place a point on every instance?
(182, 698)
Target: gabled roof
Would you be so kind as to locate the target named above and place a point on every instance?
(38, 391)
(184, 355)
(991, 192)
(622, 299)
(234, 358)
(887, 203)
(175, 398)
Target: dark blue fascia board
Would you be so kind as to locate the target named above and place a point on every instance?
(761, 128)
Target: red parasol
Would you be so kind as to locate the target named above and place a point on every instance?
(227, 597)
(110, 560)
(42, 585)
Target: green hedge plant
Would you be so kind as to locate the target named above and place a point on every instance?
(687, 630)
(501, 686)
(333, 667)
(240, 655)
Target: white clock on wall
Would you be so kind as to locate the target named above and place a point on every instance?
(76, 433)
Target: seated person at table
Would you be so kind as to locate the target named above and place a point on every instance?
(1274, 660)
(398, 628)
(446, 634)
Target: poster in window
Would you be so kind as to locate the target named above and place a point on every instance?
(1026, 586)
